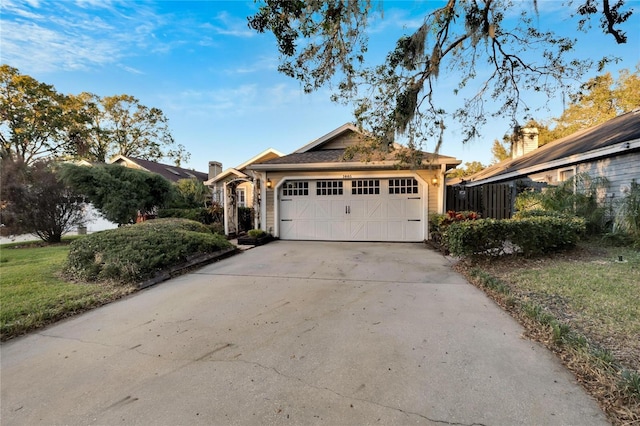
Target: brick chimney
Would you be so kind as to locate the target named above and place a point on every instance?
(525, 143)
(214, 169)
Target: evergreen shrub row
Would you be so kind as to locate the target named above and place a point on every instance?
(133, 253)
(528, 236)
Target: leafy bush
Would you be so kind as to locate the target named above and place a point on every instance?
(539, 235)
(133, 253)
(256, 233)
(216, 228)
(202, 215)
(439, 223)
(540, 213)
(577, 196)
(529, 236)
(470, 238)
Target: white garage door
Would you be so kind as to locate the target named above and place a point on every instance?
(352, 210)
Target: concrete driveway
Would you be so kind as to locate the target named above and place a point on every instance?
(295, 333)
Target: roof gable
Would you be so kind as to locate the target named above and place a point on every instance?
(340, 138)
(266, 155)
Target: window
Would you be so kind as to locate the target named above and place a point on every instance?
(365, 187)
(403, 186)
(329, 187)
(240, 198)
(566, 174)
(295, 188)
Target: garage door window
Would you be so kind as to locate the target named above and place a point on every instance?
(365, 187)
(295, 188)
(403, 186)
(329, 187)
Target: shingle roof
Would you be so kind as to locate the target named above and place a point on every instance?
(332, 156)
(169, 172)
(623, 128)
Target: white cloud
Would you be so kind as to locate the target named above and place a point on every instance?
(47, 36)
(225, 24)
(264, 63)
(241, 101)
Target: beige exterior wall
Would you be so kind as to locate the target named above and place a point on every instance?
(343, 141)
(424, 176)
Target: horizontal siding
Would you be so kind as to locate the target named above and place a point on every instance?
(269, 222)
(619, 170)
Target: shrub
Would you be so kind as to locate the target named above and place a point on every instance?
(133, 253)
(577, 196)
(543, 234)
(202, 215)
(470, 238)
(256, 233)
(439, 223)
(529, 236)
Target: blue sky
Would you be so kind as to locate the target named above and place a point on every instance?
(216, 80)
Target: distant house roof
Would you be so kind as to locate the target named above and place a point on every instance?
(616, 136)
(169, 172)
(329, 151)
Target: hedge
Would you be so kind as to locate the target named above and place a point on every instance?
(134, 253)
(528, 236)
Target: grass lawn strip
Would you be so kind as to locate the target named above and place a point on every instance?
(583, 305)
(32, 295)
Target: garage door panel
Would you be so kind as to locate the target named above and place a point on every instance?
(305, 209)
(395, 231)
(374, 212)
(305, 229)
(413, 208)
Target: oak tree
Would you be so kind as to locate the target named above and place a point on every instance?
(33, 119)
(495, 47)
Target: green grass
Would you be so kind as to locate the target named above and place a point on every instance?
(32, 294)
(583, 304)
(603, 293)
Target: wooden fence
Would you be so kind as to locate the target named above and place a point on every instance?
(490, 200)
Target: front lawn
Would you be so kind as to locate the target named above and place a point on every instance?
(584, 304)
(32, 294)
(43, 284)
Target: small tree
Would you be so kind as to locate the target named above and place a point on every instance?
(36, 201)
(119, 193)
(189, 193)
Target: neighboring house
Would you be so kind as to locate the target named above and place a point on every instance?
(171, 173)
(315, 194)
(610, 150)
(95, 221)
(237, 187)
